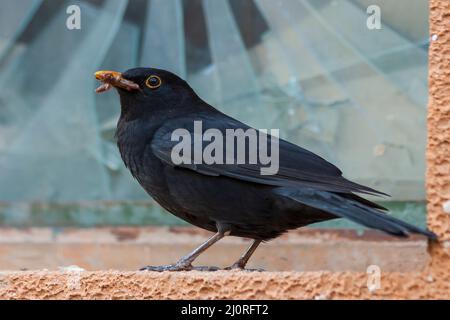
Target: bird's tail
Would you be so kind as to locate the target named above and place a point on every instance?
(353, 210)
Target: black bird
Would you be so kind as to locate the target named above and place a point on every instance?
(228, 199)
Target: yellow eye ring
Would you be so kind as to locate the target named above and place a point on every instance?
(153, 82)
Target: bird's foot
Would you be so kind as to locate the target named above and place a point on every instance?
(179, 267)
(170, 267)
(238, 266)
(205, 268)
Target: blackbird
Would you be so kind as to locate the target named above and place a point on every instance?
(231, 198)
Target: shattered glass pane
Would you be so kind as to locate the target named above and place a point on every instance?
(14, 17)
(163, 37)
(311, 68)
(55, 151)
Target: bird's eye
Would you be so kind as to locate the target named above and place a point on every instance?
(153, 82)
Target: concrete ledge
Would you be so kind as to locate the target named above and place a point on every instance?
(128, 249)
(219, 285)
(429, 281)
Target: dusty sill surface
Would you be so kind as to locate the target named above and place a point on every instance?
(430, 281)
(128, 249)
(131, 247)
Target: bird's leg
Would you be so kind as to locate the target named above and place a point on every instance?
(185, 263)
(189, 258)
(242, 262)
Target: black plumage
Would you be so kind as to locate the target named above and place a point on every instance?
(229, 199)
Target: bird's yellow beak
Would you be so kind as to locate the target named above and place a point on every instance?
(114, 79)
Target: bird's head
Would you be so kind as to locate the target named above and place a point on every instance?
(145, 90)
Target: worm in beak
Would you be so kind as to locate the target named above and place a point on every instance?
(112, 79)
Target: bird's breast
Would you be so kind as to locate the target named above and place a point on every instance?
(134, 143)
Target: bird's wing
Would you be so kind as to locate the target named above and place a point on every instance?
(297, 166)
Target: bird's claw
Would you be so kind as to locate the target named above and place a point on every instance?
(206, 268)
(170, 267)
(238, 266)
(235, 266)
(179, 267)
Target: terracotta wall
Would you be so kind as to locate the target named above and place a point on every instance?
(438, 151)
